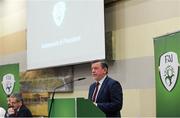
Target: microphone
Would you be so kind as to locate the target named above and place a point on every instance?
(69, 83)
(54, 91)
(81, 79)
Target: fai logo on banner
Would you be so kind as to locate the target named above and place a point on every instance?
(59, 12)
(8, 83)
(169, 69)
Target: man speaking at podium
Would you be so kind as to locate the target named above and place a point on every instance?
(105, 92)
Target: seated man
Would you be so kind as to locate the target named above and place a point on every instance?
(17, 109)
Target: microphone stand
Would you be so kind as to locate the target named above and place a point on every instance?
(52, 99)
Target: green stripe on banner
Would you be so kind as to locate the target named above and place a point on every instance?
(167, 58)
(9, 76)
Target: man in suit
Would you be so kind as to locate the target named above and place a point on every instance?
(17, 108)
(105, 92)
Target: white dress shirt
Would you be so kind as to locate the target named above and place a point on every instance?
(100, 84)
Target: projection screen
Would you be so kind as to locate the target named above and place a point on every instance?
(64, 32)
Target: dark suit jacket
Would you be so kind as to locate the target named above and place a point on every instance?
(110, 97)
(23, 112)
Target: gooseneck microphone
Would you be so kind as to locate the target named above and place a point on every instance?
(54, 91)
(80, 79)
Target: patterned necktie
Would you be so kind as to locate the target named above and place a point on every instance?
(95, 92)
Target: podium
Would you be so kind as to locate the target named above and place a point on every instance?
(74, 107)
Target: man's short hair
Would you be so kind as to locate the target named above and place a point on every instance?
(18, 97)
(103, 64)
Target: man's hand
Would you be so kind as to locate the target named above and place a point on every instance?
(95, 103)
(11, 111)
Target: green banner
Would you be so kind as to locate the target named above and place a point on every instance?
(167, 58)
(9, 76)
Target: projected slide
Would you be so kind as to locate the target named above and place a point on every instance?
(64, 32)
